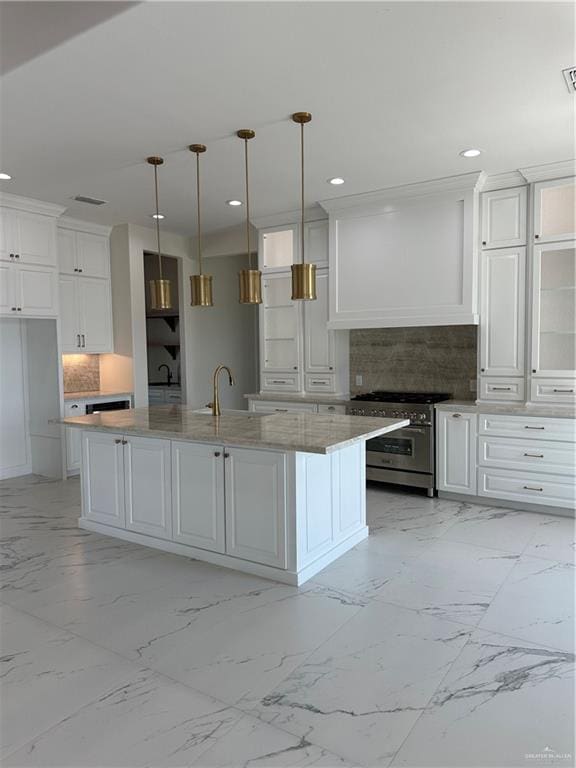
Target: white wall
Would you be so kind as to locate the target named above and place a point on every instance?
(15, 453)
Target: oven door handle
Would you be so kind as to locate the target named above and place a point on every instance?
(417, 430)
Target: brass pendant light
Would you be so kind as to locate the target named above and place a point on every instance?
(200, 284)
(250, 280)
(160, 290)
(303, 274)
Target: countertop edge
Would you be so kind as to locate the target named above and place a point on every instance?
(505, 409)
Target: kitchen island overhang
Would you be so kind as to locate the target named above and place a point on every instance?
(275, 495)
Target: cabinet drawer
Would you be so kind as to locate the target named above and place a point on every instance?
(320, 383)
(322, 408)
(553, 391)
(267, 406)
(532, 487)
(501, 389)
(528, 427)
(529, 455)
(289, 382)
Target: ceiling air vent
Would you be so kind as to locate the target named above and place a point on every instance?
(570, 77)
(89, 200)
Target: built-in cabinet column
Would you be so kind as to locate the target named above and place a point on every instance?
(299, 353)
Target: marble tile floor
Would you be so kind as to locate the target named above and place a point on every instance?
(444, 639)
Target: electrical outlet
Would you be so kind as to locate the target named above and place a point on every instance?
(359, 381)
(473, 386)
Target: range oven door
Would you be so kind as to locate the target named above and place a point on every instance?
(409, 448)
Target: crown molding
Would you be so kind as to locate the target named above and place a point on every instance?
(66, 222)
(467, 182)
(506, 180)
(549, 171)
(312, 213)
(31, 206)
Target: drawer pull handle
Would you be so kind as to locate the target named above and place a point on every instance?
(74, 406)
(226, 455)
(279, 381)
(526, 426)
(281, 410)
(501, 389)
(535, 455)
(456, 415)
(531, 488)
(567, 391)
(318, 382)
(117, 442)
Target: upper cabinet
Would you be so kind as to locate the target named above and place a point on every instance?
(504, 218)
(278, 247)
(27, 238)
(405, 256)
(555, 210)
(83, 253)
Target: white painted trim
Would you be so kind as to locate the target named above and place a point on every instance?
(65, 222)
(313, 213)
(367, 200)
(549, 171)
(8, 474)
(508, 180)
(406, 321)
(31, 206)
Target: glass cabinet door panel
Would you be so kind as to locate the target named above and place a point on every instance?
(555, 210)
(278, 249)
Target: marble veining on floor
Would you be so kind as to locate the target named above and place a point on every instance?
(444, 639)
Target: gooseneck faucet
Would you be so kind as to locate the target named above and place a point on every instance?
(215, 404)
(168, 372)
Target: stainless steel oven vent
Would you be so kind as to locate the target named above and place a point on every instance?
(570, 78)
(89, 200)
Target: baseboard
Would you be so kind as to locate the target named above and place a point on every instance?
(488, 501)
(10, 472)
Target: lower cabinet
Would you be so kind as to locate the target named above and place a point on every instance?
(456, 452)
(103, 478)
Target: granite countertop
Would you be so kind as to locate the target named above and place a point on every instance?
(511, 409)
(287, 397)
(96, 393)
(303, 432)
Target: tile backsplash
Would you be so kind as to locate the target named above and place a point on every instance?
(81, 373)
(423, 359)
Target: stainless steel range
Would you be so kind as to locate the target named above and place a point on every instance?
(406, 456)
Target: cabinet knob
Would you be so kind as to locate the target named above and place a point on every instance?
(124, 442)
(13, 309)
(537, 236)
(533, 370)
(75, 269)
(483, 242)
(482, 370)
(11, 255)
(17, 255)
(226, 455)
(295, 367)
(74, 406)
(217, 453)
(80, 270)
(19, 309)
(117, 441)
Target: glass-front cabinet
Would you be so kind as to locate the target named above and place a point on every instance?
(555, 210)
(278, 248)
(554, 310)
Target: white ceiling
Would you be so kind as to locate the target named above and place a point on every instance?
(396, 91)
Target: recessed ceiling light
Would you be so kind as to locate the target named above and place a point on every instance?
(336, 180)
(157, 216)
(233, 202)
(5, 176)
(470, 152)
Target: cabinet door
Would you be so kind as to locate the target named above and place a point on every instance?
(502, 320)
(66, 245)
(316, 242)
(319, 346)
(103, 478)
(554, 310)
(555, 210)
(147, 486)
(93, 255)
(69, 323)
(36, 291)
(36, 239)
(8, 234)
(198, 495)
(504, 218)
(7, 290)
(456, 452)
(73, 437)
(280, 326)
(256, 506)
(95, 307)
(278, 248)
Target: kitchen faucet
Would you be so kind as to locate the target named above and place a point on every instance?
(215, 404)
(168, 372)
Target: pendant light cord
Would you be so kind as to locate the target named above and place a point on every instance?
(157, 220)
(199, 235)
(247, 205)
(302, 189)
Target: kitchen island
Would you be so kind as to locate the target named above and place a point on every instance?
(276, 495)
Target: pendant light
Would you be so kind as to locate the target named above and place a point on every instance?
(303, 274)
(200, 284)
(160, 290)
(250, 280)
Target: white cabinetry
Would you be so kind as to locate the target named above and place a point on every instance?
(126, 482)
(456, 452)
(504, 218)
(28, 290)
(85, 253)
(198, 496)
(86, 315)
(555, 210)
(252, 476)
(298, 351)
(28, 238)
(74, 437)
(503, 289)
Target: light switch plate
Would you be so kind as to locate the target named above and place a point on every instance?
(359, 380)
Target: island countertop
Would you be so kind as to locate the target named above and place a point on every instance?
(300, 432)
